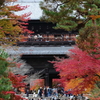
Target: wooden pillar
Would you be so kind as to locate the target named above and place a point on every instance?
(46, 83)
(50, 82)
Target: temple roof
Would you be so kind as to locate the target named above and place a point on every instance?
(39, 50)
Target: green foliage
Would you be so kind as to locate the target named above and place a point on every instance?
(3, 62)
(95, 93)
(63, 25)
(5, 86)
(3, 67)
(69, 14)
(5, 83)
(90, 23)
(3, 54)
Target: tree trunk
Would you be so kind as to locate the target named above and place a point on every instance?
(1, 2)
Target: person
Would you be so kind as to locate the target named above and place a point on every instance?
(54, 91)
(59, 91)
(35, 37)
(45, 92)
(40, 92)
(34, 94)
(27, 92)
(49, 91)
(40, 37)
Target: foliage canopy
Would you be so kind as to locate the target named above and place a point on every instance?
(69, 14)
(82, 70)
(12, 26)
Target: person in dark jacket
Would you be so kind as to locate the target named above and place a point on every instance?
(40, 92)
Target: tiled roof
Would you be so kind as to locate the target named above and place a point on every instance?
(39, 50)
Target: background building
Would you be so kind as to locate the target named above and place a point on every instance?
(44, 44)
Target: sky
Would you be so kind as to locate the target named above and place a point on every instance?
(29, 0)
(33, 8)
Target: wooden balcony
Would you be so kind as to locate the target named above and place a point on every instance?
(47, 41)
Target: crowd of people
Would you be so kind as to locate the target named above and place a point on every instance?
(46, 92)
(54, 93)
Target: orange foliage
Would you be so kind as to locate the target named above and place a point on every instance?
(36, 84)
(94, 17)
(57, 82)
(13, 27)
(72, 83)
(22, 89)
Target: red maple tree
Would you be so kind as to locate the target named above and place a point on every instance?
(80, 72)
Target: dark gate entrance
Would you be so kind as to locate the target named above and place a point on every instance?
(41, 62)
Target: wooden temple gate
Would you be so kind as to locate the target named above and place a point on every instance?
(43, 45)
